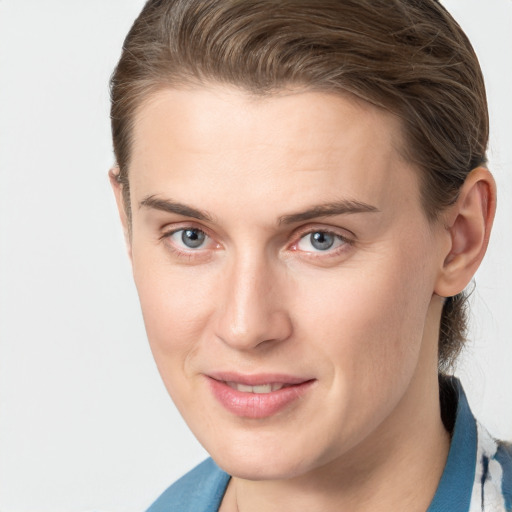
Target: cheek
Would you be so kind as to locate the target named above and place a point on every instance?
(176, 304)
(370, 323)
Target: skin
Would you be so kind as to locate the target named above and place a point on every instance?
(360, 319)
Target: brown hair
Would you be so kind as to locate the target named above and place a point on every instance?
(407, 56)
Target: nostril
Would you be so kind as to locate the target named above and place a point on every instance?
(273, 328)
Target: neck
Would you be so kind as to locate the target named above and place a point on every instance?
(398, 467)
(389, 473)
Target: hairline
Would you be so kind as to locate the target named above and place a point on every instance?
(187, 81)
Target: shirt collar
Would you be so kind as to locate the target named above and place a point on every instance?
(455, 487)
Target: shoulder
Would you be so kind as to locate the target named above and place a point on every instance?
(200, 490)
(478, 472)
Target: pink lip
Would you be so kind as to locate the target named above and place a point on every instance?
(257, 405)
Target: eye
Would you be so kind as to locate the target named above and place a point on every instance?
(189, 238)
(320, 241)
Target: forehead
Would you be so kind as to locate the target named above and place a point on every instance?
(199, 114)
(303, 142)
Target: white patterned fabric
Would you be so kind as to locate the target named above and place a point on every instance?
(493, 478)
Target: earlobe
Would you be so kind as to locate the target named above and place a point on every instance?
(117, 188)
(469, 223)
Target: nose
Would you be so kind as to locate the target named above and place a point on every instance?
(252, 310)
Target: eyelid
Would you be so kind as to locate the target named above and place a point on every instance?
(169, 230)
(347, 235)
(331, 254)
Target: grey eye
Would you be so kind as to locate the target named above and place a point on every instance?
(192, 238)
(321, 240)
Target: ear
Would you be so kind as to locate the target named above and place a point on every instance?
(117, 188)
(468, 222)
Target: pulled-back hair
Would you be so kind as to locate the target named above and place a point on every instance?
(407, 56)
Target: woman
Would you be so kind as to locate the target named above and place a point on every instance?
(304, 194)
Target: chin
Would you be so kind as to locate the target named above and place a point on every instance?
(258, 469)
(263, 461)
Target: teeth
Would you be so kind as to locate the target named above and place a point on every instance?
(261, 389)
(264, 388)
(244, 388)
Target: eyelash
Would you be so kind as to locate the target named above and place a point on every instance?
(345, 243)
(191, 253)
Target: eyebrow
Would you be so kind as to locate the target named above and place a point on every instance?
(344, 207)
(327, 210)
(170, 206)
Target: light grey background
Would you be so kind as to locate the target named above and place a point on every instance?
(85, 423)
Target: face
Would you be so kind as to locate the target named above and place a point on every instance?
(286, 271)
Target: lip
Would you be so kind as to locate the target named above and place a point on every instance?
(257, 405)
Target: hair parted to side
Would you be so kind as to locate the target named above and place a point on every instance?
(407, 56)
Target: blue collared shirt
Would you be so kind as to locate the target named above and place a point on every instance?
(477, 476)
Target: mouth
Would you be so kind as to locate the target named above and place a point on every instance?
(257, 396)
(261, 389)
